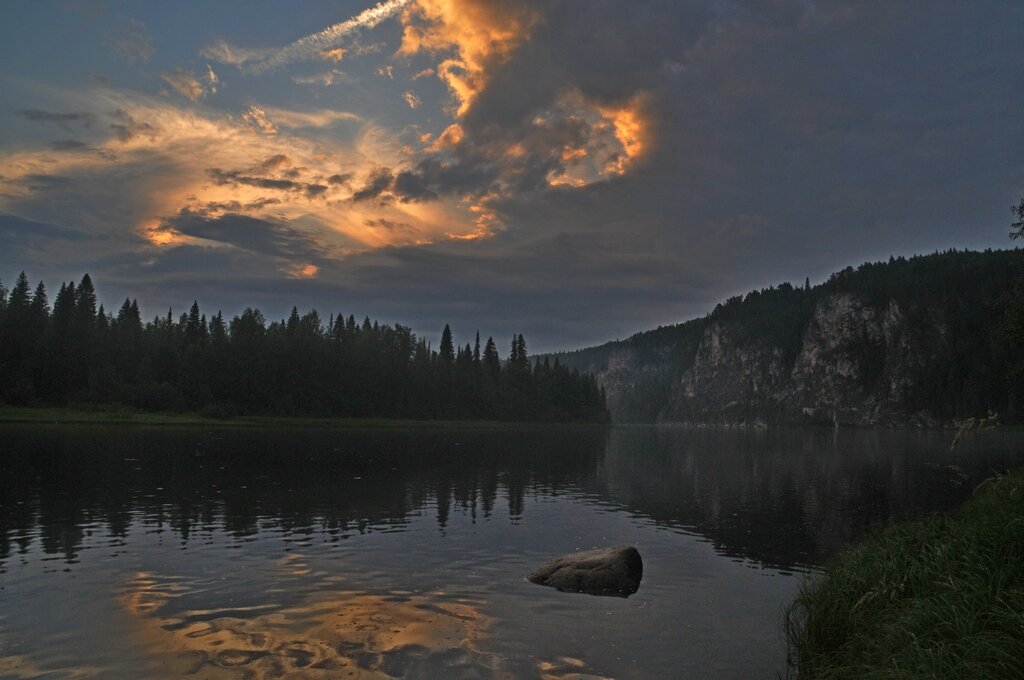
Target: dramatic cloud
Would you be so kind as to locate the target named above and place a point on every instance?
(263, 236)
(479, 34)
(574, 170)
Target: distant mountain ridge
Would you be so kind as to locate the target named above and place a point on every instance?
(918, 341)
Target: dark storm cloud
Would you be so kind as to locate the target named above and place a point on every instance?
(236, 206)
(784, 140)
(376, 184)
(275, 162)
(278, 162)
(236, 177)
(262, 236)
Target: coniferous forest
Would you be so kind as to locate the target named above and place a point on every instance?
(75, 352)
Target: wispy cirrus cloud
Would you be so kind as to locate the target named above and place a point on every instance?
(223, 52)
(316, 45)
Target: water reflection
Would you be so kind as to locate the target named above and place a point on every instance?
(60, 482)
(339, 634)
(782, 498)
(792, 498)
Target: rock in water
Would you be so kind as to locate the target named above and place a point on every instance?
(605, 571)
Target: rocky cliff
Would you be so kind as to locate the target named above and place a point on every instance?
(909, 342)
(858, 365)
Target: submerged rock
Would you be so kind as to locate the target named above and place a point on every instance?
(606, 571)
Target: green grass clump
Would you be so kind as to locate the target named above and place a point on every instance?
(941, 597)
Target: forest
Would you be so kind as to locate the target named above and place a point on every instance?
(77, 353)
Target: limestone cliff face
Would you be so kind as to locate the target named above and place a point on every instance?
(857, 364)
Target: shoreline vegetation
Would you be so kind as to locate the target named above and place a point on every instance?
(117, 415)
(940, 597)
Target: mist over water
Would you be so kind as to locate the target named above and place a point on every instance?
(157, 552)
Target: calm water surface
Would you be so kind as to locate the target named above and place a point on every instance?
(129, 552)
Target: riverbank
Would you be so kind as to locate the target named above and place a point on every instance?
(941, 597)
(121, 416)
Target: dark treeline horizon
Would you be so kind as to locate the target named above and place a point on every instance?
(78, 353)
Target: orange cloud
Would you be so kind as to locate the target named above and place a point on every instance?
(305, 271)
(630, 130)
(478, 33)
(163, 237)
(171, 158)
(452, 136)
(616, 136)
(336, 54)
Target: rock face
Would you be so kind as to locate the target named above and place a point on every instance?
(857, 365)
(912, 342)
(607, 571)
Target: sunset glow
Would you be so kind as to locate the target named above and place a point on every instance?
(346, 148)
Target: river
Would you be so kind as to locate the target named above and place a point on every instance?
(152, 552)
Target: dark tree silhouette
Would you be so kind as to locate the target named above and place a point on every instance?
(78, 353)
(1017, 228)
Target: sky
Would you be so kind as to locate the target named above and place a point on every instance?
(573, 170)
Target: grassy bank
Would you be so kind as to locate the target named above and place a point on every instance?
(941, 597)
(114, 415)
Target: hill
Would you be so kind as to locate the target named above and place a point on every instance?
(921, 340)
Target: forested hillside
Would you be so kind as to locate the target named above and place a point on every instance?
(78, 353)
(925, 339)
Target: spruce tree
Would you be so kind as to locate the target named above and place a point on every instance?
(447, 348)
(491, 360)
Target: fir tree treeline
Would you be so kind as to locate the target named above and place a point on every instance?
(76, 352)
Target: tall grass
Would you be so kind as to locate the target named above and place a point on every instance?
(941, 597)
